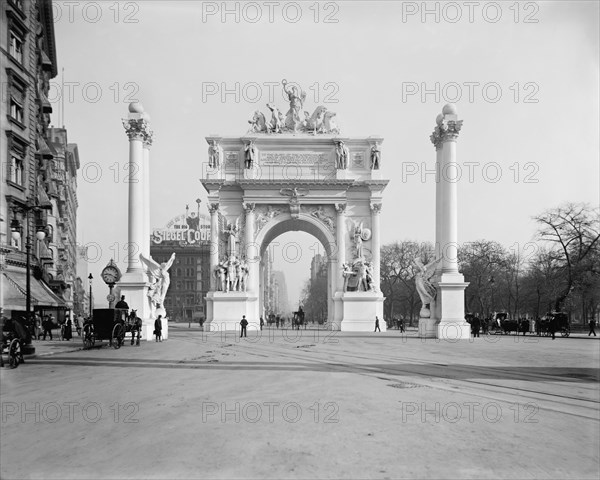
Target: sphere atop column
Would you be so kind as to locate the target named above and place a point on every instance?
(449, 109)
(136, 107)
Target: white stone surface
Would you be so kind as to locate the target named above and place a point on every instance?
(225, 310)
(359, 310)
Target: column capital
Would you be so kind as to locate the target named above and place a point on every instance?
(136, 129)
(340, 208)
(376, 207)
(213, 207)
(148, 138)
(249, 207)
(436, 138)
(450, 130)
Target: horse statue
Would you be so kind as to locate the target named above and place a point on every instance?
(277, 119)
(315, 121)
(258, 123)
(133, 324)
(329, 123)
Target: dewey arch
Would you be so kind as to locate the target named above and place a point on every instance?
(291, 182)
(294, 172)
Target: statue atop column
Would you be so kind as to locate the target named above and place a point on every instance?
(342, 154)
(375, 156)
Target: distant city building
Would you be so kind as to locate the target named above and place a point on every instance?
(188, 236)
(281, 301)
(318, 267)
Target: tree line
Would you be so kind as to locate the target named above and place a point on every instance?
(559, 271)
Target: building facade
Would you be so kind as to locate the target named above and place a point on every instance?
(38, 167)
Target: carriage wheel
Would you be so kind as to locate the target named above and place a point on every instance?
(14, 353)
(117, 335)
(88, 337)
(565, 332)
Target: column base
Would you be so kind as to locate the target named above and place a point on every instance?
(428, 327)
(135, 288)
(454, 330)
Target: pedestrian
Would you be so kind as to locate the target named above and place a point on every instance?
(68, 330)
(122, 303)
(37, 323)
(244, 324)
(262, 323)
(158, 328)
(475, 326)
(377, 324)
(592, 327)
(402, 327)
(47, 326)
(552, 327)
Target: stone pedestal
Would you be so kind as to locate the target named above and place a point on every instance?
(428, 327)
(359, 310)
(135, 288)
(225, 310)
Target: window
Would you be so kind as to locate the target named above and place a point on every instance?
(16, 110)
(16, 42)
(16, 169)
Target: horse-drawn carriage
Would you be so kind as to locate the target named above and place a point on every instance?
(555, 321)
(112, 324)
(501, 324)
(13, 337)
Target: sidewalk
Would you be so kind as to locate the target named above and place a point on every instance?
(52, 347)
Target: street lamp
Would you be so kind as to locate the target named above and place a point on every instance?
(90, 278)
(15, 227)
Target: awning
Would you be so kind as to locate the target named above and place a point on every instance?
(14, 289)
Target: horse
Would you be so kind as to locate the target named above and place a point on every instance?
(133, 324)
(314, 122)
(258, 123)
(298, 319)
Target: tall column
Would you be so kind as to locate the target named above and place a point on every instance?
(449, 203)
(376, 243)
(341, 244)
(451, 285)
(213, 208)
(137, 128)
(252, 257)
(146, 188)
(437, 143)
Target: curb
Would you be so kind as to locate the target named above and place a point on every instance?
(47, 354)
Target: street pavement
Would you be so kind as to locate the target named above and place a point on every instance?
(307, 404)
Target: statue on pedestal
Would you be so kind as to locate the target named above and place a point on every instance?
(425, 288)
(160, 280)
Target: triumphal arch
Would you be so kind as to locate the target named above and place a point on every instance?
(294, 171)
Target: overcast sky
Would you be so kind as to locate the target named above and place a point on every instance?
(524, 77)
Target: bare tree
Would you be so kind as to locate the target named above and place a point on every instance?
(573, 229)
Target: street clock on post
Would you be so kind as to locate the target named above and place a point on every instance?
(111, 275)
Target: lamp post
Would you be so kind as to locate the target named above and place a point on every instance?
(90, 278)
(15, 227)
